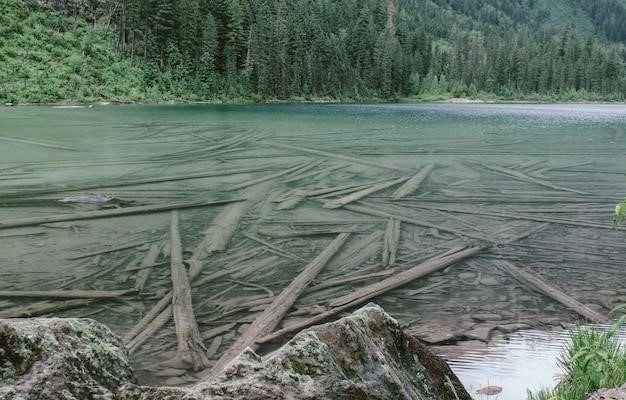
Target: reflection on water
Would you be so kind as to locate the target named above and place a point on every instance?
(526, 360)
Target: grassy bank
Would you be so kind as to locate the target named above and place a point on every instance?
(48, 57)
(594, 360)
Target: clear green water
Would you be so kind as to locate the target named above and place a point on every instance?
(577, 147)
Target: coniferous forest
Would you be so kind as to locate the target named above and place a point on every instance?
(151, 50)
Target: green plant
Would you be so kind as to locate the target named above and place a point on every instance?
(620, 213)
(594, 359)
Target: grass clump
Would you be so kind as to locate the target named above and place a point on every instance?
(594, 360)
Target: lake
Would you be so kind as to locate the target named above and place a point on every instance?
(263, 189)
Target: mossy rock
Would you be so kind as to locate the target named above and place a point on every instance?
(54, 358)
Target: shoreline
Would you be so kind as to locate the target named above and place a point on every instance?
(316, 101)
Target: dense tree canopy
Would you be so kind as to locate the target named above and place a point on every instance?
(380, 48)
(203, 49)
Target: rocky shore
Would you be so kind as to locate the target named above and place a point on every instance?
(363, 356)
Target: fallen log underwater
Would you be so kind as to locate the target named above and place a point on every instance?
(369, 292)
(190, 350)
(538, 284)
(118, 212)
(235, 252)
(271, 317)
(216, 238)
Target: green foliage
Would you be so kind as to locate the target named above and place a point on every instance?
(593, 360)
(46, 56)
(620, 213)
(142, 50)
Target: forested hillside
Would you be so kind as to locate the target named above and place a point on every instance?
(149, 50)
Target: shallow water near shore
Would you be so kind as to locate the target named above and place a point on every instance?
(525, 360)
(534, 185)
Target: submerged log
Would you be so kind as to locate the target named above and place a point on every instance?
(390, 245)
(344, 189)
(523, 177)
(146, 267)
(335, 156)
(136, 182)
(224, 226)
(326, 315)
(434, 264)
(271, 317)
(502, 214)
(537, 284)
(220, 330)
(37, 143)
(276, 250)
(299, 173)
(67, 294)
(190, 350)
(118, 212)
(43, 308)
(218, 235)
(358, 252)
(299, 195)
(370, 209)
(314, 173)
(113, 249)
(413, 184)
(150, 324)
(350, 279)
(266, 178)
(336, 203)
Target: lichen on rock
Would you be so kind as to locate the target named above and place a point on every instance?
(55, 358)
(363, 356)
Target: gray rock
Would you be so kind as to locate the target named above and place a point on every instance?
(363, 356)
(486, 317)
(54, 358)
(609, 394)
(434, 333)
(480, 332)
(489, 390)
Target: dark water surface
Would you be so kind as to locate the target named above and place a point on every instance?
(555, 171)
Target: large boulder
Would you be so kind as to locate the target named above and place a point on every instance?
(56, 358)
(363, 356)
